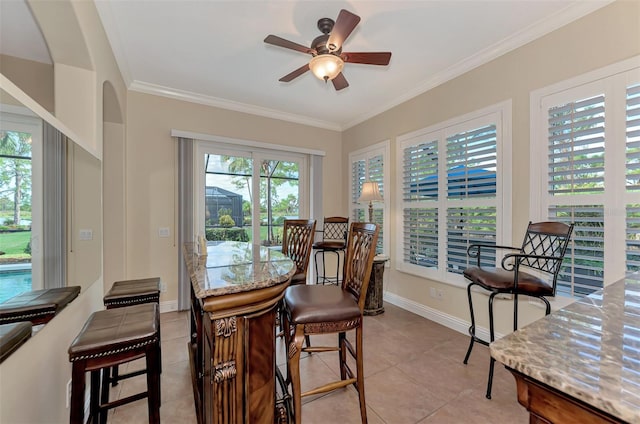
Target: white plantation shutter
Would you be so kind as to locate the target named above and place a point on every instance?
(369, 165)
(420, 236)
(632, 177)
(450, 194)
(576, 147)
(420, 192)
(420, 171)
(590, 173)
(633, 138)
(358, 176)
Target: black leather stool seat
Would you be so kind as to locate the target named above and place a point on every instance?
(133, 292)
(111, 337)
(12, 336)
(37, 306)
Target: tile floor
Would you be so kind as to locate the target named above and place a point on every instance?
(413, 373)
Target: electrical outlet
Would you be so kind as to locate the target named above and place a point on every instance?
(163, 287)
(432, 292)
(86, 235)
(163, 232)
(68, 394)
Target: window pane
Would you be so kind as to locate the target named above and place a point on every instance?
(15, 212)
(633, 138)
(633, 238)
(583, 268)
(420, 236)
(420, 173)
(279, 184)
(471, 163)
(576, 147)
(466, 226)
(228, 197)
(359, 176)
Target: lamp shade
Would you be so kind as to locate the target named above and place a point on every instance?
(326, 66)
(370, 192)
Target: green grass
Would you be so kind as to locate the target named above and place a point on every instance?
(13, 244)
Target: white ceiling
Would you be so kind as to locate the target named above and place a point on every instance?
(212, 52)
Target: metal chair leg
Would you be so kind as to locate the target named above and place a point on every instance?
(491, 338)
(472, 328)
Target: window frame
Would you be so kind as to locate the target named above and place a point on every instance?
(499, 114)
(612, 82)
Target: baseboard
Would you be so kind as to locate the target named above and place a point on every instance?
(168, 306)
(436, 315)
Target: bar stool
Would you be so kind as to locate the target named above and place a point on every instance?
(12, 336)
(334, 240)
(112, 337)
(37, 306)
(128, 293)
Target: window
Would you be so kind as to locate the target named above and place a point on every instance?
(586, 170)
(248, 193)
(369, 165)
(452, 192)
(20, 205)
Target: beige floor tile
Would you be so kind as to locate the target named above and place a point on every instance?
(413, 374)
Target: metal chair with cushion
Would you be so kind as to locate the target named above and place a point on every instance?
(334, 239)
(326, 309)
(531, 270)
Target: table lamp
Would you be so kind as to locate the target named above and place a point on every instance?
(370, 193)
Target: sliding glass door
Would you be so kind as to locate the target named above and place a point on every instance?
(245, 195)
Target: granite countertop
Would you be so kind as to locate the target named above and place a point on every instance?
(233, 267)
(589, 350)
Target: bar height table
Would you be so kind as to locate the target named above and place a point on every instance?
(235, 290)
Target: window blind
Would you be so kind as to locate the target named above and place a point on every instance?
(632, 153)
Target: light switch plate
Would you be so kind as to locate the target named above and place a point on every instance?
(163, 232)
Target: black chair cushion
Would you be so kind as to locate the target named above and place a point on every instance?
(116, 330)
(498, 279)
(318, 303)
(13, 336)
(37, 306)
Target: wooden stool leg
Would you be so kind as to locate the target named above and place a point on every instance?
(104, 395)
(360, 376)
(153, 383)
(94, 397)
(77, 393)
(294, 369)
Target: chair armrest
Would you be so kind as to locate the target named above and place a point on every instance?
(518, 257)
(478, 249)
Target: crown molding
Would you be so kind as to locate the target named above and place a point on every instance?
(188, 96)
(534, 31)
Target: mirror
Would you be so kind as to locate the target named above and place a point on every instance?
(50, 205)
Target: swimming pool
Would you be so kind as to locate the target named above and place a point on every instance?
(14, 282)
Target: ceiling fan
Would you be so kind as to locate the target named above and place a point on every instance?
(328, 59)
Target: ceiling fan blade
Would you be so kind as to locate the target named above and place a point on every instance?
(281, 42)
(343, 27)
(340, 82)
(368, 58)
(295, 74)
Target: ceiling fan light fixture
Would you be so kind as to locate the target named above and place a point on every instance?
(326, 66)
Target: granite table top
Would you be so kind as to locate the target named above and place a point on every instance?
(589, 350)
(233, 267)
